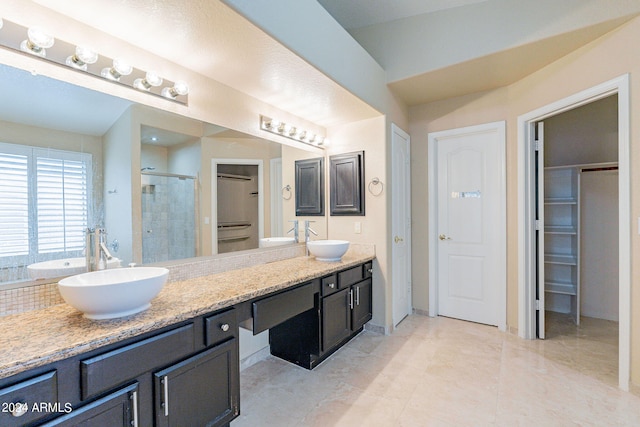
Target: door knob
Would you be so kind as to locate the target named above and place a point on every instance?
(444, 237)
(398, 239)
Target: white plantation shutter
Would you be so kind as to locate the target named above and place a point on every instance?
(44, 194)
(62, 202)
(14, 202)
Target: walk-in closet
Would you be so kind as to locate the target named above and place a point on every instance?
(580, 203)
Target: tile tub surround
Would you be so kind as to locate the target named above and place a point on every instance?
(39, 337)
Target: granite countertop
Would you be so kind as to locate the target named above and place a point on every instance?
(39, 337)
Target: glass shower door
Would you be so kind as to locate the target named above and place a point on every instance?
(169, 226)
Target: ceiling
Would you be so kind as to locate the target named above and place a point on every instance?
(354, 14)
(387, 19)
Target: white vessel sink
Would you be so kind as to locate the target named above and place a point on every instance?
(328, 250)
(63, 267)
(268, 242)
(107, 294)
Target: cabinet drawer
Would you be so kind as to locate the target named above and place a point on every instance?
(271, 311)
(108, 370)
(350, 276)
(22, 396)
(220, 327)
(329, 285)
(368, 269)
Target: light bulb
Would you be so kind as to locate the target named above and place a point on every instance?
(84, 55)
(179, 88)
(38, 41)
(150, 80)
(120, 68)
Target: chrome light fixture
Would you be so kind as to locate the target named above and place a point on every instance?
(119, 68)
(292, 132)
(151, 79)
(81, 58)
(37, 42)
(179, 88)
(84, 55)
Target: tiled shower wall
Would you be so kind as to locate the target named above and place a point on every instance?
(168, 219)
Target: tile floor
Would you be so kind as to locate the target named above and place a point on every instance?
(446, 372)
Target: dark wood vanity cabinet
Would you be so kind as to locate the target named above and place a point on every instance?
(347, 311)
(343, 306)
(185, 374)
(200, 391)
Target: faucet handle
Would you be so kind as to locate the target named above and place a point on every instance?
(132, 264)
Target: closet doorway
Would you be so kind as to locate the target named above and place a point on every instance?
(237, 204)
(560, 244)
(577, 186)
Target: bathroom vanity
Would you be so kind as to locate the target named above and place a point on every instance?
(177, 363)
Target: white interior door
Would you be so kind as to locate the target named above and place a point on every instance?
(401, 224)
(471, 225)
(538, 136)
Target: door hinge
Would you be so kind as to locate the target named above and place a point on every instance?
(537, 224)
(537, 304)
(537, 145)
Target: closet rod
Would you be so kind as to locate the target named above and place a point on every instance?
(608, 168)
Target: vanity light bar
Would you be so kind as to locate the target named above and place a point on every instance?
(40, 44)
(292, 132)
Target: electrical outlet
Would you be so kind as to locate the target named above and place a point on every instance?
(358, 227)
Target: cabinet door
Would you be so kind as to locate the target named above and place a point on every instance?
(309, 187)
(336, 318)
(361, 312)
(200, 391)
(346, 179)
(117, 409)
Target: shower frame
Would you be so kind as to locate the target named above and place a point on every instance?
(196, 202)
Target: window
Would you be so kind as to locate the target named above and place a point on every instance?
(44, 203)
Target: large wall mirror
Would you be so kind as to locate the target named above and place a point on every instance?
(165, 187)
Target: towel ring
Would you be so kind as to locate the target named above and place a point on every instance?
(286, 191)
(374, 184)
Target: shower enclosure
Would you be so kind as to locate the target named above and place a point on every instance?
(169, 217)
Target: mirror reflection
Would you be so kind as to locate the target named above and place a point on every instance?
(163, 186)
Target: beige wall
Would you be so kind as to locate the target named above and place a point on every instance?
(608, 57)
(368, 135)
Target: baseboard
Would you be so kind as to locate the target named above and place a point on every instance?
(421, 312)
(254, 358)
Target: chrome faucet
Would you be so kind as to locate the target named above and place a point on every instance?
(296, 235)
(96, 252)
(307, 234)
